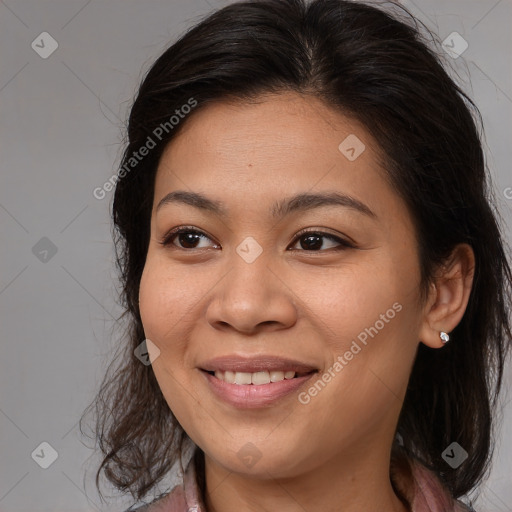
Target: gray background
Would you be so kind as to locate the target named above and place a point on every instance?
(61, 120)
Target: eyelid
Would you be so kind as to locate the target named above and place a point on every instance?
(166, 241)
(343, 240)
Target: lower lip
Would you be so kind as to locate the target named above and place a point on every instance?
(253, 396)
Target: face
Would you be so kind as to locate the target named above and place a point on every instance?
(261, 283)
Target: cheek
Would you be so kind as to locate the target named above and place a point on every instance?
(369, 318)
(350, 300)
(165, 295)
(170, 308)
(161, 310)
(152, 301)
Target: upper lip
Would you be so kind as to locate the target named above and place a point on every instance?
(255, 364)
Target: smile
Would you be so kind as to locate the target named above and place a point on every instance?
(254, 390)
(256, 378)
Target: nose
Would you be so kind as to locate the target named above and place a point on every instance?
(252, 297)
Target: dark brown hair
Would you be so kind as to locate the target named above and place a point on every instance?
(377, 67)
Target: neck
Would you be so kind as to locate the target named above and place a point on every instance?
(346, 482)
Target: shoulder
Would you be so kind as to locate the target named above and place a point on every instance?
(422, 488)
(462, 507)
(184, 497)
(172, 502)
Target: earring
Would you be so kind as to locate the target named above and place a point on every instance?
(445, 338)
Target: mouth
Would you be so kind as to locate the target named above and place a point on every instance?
(255, 390)
(256, 381)
(257, 378)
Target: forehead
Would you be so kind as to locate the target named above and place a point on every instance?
(253, 153)
(281, 130)
(286, 121)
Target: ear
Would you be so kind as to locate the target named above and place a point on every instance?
(448, 296)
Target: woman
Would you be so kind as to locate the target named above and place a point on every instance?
(312, 266)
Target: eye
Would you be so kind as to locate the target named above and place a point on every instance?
(188, 237)
(312, 241)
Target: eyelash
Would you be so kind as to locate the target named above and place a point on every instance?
(344, 244)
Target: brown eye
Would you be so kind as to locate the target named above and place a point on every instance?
(310, 241)
(313, 241)
(186, 238)
(189, 239)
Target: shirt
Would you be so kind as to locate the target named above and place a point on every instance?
(428, 494)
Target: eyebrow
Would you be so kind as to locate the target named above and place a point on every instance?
(296, 203)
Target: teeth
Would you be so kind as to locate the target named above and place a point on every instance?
(242, 378)
(276, 376)
(257, 378)
(260, 378)
(228, 376)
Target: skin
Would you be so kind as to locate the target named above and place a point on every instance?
(198, 303)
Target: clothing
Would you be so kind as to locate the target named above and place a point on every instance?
(427, 495)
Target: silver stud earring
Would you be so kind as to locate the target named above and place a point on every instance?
(445, 337)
